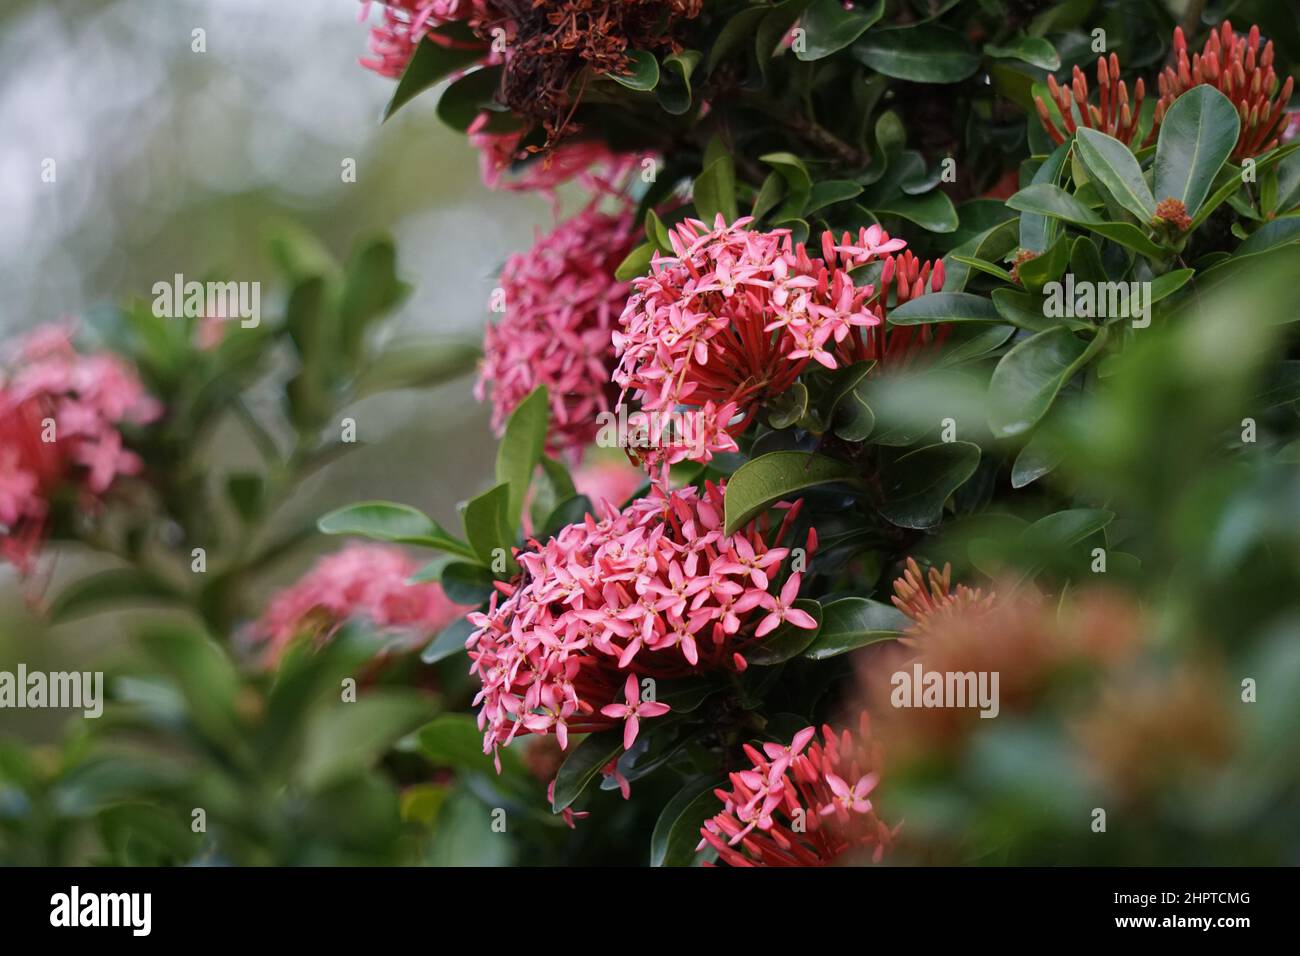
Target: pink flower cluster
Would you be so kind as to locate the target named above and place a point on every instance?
(367, 582)
(656, 590)
(733, 317)
(561, 301)
(405, 24)
(806, 804)
(60, 412)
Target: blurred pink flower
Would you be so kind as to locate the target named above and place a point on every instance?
(363, 582)
(560, 301)
(609, 481)
(60, 412)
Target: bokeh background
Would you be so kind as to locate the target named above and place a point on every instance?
(170, 160)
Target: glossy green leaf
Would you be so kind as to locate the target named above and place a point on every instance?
(944, 307)
(677, 831)
(1112, 164)
(829, 27)
(1027, 378)
(583, 763)
(644, 72)
(387, 521)
(521, 449)
(854, 622)
(917, 485)
(924, 53)
(762, 482)
(1197, 136)
(1035, 51)
(109, 589)
(432, 61)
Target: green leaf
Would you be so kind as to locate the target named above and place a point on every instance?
(988, 268)
(677, 831)
(1027, 378)
(829, 28)
(787, 641)
(468, 96)
(245, 491)
(1041, 454)
(788, 407)
(487, 526)
(582, 765)
(465, 583)
(1032, 50)
(416, 364)
(432, 61)
(1197, 136)
(106, 589)
(674, 91)
(387, 521)
(1064, 529)
(798, 184)
(449, 642)
(933, 210)
(637, 263)
(944, 307)
(924, 54)
(917, 485)
(1112, 164)
(1279, 232)
(854, 622)
(762, 482)
(644, 74)
(738, 29)
(1048, 200)
(1037, 272)
(370, 289)
(347, 737)
(829, 192)
(454, 740)
(715, 191)
(1036, 230)
(1169, 283)
(522, 447)
(850, 416)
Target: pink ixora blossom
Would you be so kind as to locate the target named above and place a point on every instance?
(405, 23)
(733, 317)
(60, 414)
(505, 164)
(561, 301)
(656, 590)
(362, 582)
(806, 804)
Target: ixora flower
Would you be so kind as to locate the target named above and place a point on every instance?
(1114, 115)
(405, 24)
(60, 414)
(501, 165)
(561, 301)
(805, 804)
(656, 591)
(733, 317)
(369, 582)
(1239, 69)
